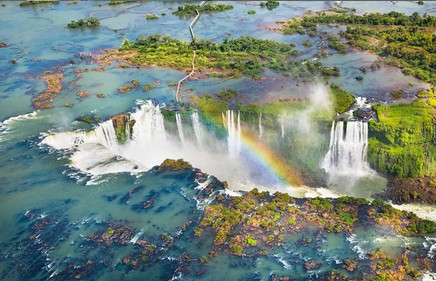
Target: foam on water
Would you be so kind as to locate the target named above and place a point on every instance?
(421, 210)
(7, 126)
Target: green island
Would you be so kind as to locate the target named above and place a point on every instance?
(232, 58)
(118, 2)
(152, 17)
(191, 9)
(90, 22)
(257, 222)
(270, 5)
(37, 2)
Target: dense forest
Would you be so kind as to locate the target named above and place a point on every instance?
(232, 58)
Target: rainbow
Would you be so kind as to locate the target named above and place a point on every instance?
(270, 159)
(273, 163)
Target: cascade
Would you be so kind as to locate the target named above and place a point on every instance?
(180, 128)
(282, 123)
(198, 128)
(149, 125)
(105, 134)
(260, 125)
(348, 147)
(234, 133)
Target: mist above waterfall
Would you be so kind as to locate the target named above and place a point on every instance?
(98, 152)
(295, 138)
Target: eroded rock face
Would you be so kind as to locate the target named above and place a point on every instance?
(401, 191)
(123, 127)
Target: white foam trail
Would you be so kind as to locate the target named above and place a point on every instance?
(429, 276)
(149, 126)
(348, 148)
(103, 134)
(282, 123)
(260, 125)
(7, 125)
(198, 128)
(421, 210)
(204, 184)
(234, 133)
(180, 128)
(136, 237)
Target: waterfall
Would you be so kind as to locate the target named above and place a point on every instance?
(180, 128)
(198, 128)
(105, 134)
(348, 146)
(149, 125)
(282, 123)
(260, 125)
(234, 133)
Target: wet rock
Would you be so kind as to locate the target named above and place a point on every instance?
(364, 113)
(174, 165)
(401, 191)
(349, 265)
(310, 265)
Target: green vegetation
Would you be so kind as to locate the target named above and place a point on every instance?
(149, 87)
(234, 57)
(401, 143)
(90, 119)
(227, 94)
(118, 2)
(359, 78)
(307, 44)
(174, 165)
(388, 19)
(129, 86)
(90, 22)
(338, 10)
(101, 95)
(414, 225)
(320, 204)
(270, 5)
(255, 222)
(251, 12)
(37, 2)
(404, 41)
(191, 10)
(397, 94)
(110, 231)
(152, 17)
(336, 44)
(251, 241)
(342, 100)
